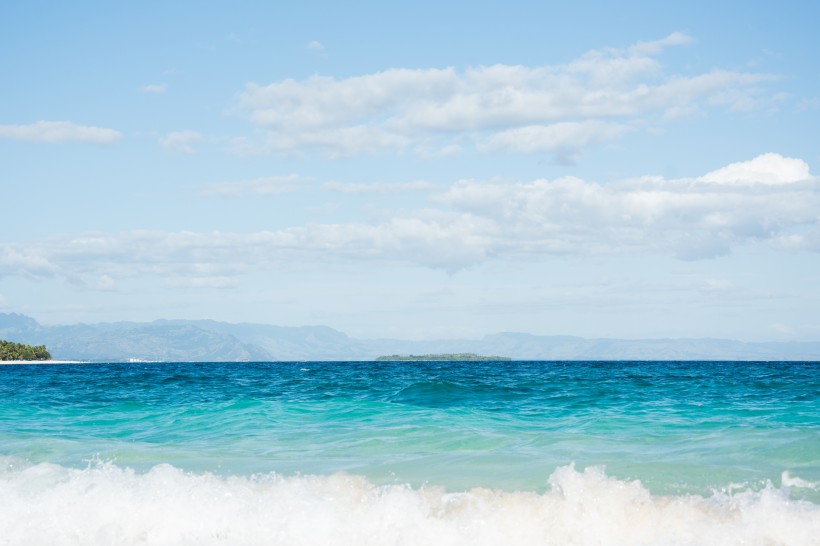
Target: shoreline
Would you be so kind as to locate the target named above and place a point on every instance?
(4, 362)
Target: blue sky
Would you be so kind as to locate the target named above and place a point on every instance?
(421, 171)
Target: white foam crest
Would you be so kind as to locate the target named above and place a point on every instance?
(787, 480)
(108, 505)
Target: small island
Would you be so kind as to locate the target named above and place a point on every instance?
(19, 351)
(448, 357)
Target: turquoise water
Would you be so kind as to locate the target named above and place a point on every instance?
(700, 432)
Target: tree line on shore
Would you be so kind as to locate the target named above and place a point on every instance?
(20, 351)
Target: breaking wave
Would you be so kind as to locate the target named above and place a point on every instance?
(107, 504)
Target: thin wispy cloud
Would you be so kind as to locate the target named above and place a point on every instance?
(154, 88)
(182, 142)
(315, 45)
(656, 46)
(378, 187)
(202, 283)
(269, 185)
(563, 140)
(59, 132)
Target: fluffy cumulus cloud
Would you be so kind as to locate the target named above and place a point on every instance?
(764, 169)
(501, 108)
(769, 199)
(59, 131)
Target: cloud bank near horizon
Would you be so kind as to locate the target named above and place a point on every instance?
(770, 200)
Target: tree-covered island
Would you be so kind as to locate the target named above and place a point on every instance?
(448, 357)
(19, 351)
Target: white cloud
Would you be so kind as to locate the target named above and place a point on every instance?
(768, 168)
(154, 88)
(337, 142)
(686, 217)
(59, 131)
(181, 141)
(105, 284)
(564, 139)
(25, 260)
(211, 282)
(655, 47)
(434, 152)
(450, 150)
(470, 223)
(500, 108)
(717, 285)
(379, 187)
(315, 45)
(269, 185)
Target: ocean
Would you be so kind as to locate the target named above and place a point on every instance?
(411, 453)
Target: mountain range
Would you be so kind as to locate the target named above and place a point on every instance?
(208, 340)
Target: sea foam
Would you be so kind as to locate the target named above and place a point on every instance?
(105, 504)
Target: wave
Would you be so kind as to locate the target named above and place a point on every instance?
(106, 504)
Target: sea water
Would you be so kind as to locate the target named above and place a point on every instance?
(411, 453)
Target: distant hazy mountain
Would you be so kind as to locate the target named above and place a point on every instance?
(128, 340)
(207, 340)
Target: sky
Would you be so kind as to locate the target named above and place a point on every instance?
(416, 171)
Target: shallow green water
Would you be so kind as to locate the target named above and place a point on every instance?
(688, 427)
